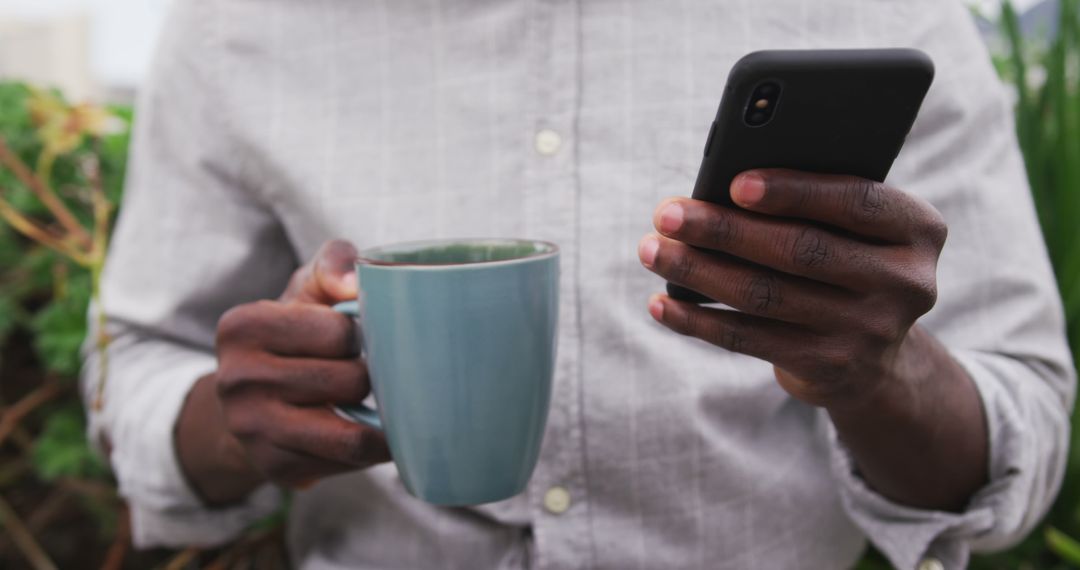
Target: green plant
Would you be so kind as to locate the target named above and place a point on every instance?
(1046, 79)
(54, 225)
(61, 451)
(1048, 126)
(61, 175)
(1047, 84)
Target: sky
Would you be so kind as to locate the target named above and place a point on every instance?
(123, 32)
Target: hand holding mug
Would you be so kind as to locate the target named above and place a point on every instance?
(281, 365)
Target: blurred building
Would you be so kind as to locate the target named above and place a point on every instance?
(52, 51)
(91, 49)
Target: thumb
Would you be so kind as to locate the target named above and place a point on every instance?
(328, 278)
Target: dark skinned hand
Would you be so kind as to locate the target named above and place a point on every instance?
(826, 277)
(264, 415)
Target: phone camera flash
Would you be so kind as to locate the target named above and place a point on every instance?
(761, 104)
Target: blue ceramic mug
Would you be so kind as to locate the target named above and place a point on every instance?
(459, 338)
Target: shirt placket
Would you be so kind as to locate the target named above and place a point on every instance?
(558, 497)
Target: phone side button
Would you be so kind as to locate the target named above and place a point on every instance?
(708, 141)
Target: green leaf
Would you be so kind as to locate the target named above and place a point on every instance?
(62, 449)
(1063, 545)
(60, 328)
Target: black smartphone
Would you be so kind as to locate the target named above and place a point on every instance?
(827, 111)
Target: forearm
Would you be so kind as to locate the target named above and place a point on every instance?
(210, 457)
(921, 440)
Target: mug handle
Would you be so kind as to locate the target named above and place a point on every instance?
(358, 413)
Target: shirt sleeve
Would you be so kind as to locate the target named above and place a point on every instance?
(192, 241)
(998, 308)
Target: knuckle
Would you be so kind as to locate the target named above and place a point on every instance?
(232, 372)
(926, 298)
(763, 294)
(680, 267)
(810, 249)
(937, 231)
(727, 334)
(721, 229)
(692, 323)
(865, 199)
(237, 324)
(813, 191)
(919, 290)
(232, 325)
(732, 338)
(880, 330)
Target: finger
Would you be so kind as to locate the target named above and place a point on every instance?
(789, 246)
(863, 207)
(319, 432)
(294, 329)
(329, 278)
(302, 381)
(290, 468)
(749, 288)
(259, 421)
(760, 337)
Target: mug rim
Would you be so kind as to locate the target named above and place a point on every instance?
(364, 257)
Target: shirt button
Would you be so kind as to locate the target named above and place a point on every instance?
(930, 564)
(548, 142)
(557, 500)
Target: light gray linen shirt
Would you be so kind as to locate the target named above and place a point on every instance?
(270, 126)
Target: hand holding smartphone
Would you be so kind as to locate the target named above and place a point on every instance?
(823, 111)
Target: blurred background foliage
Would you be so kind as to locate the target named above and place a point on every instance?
(58, 504)
(1046, 79)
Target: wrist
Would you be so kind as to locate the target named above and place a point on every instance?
(921, 439)
(211, 459)
(896, 396)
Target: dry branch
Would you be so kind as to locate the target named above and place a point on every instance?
(14, 414)
(19, 534)
(114, 559)
(44, 194)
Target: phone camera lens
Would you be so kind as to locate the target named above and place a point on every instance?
(762, 104)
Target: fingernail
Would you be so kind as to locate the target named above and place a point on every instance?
(647, 249)
(656, 307)
(748, 189)
(349, 281)
(671, 218)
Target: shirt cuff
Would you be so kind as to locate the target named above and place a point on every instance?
(142, 403)
(200, 527)
(910, 537)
